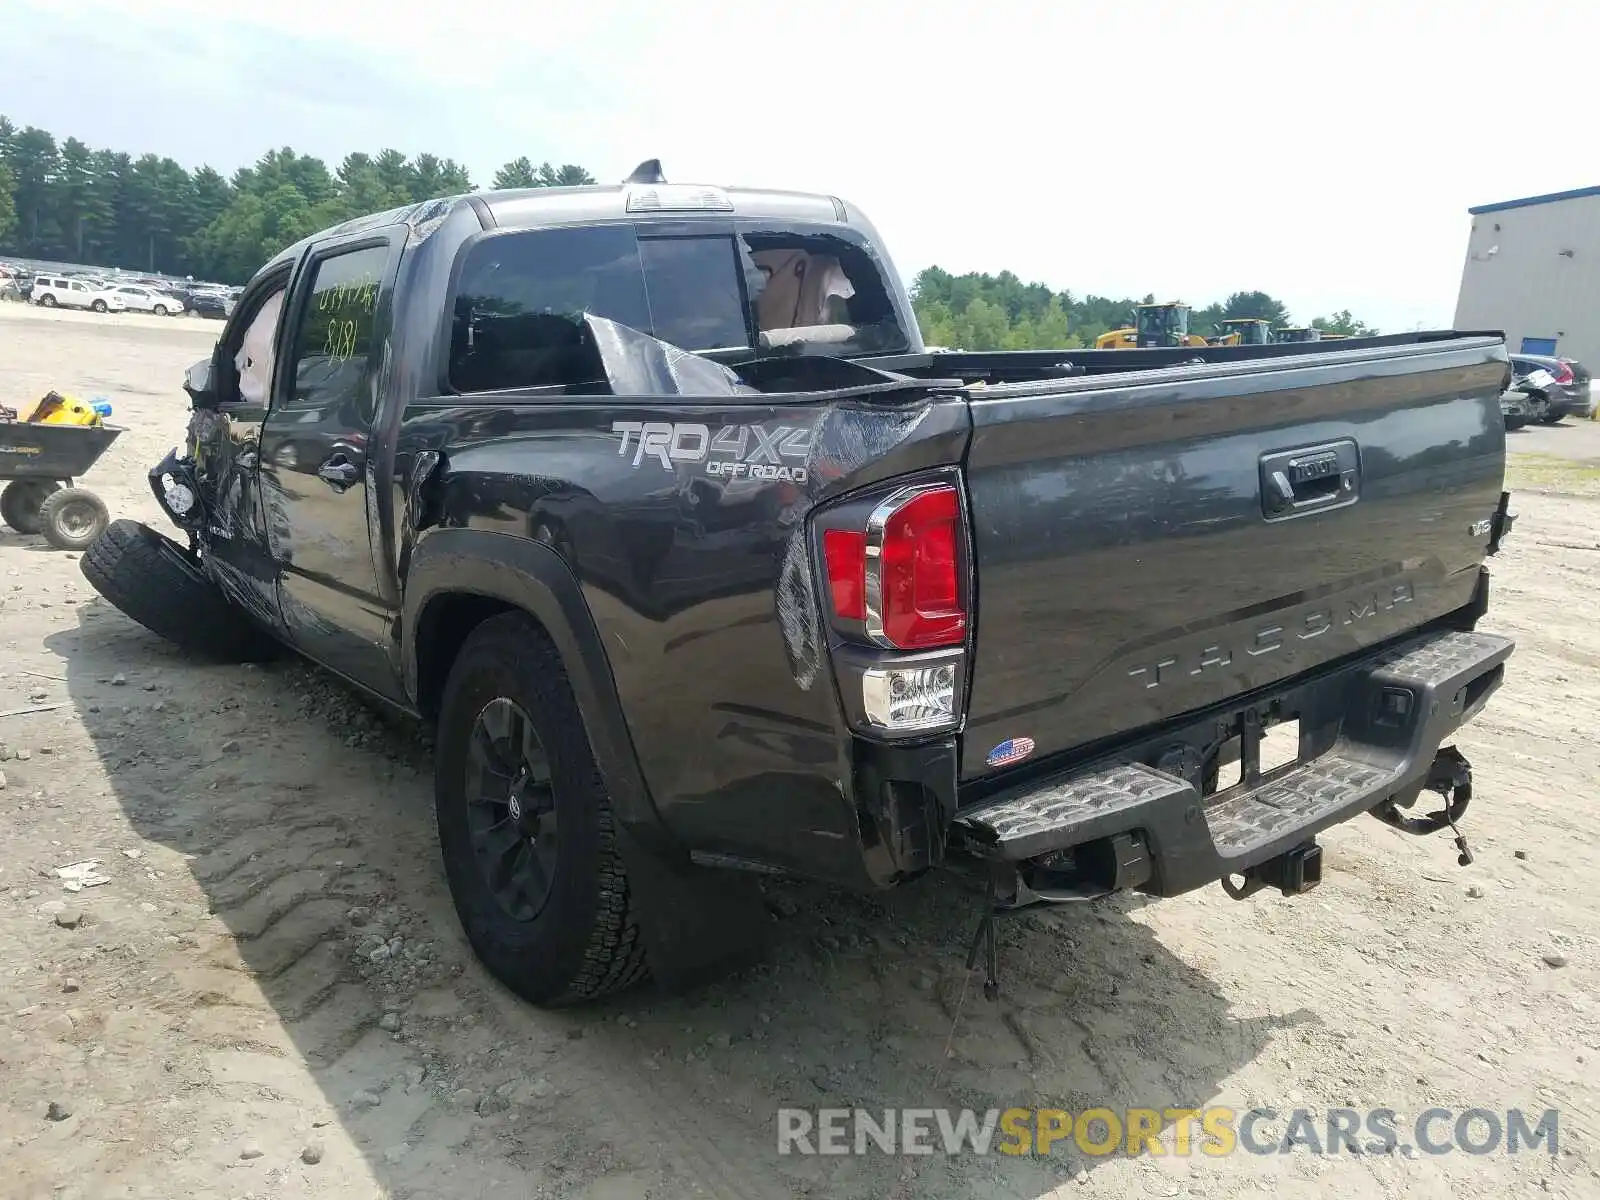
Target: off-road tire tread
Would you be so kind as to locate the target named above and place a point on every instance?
(129, 567)
(614, 958)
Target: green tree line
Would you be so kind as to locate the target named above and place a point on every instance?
(999, 312)
(64, 201)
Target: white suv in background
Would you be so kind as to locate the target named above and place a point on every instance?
(55, 291)
(138, 298)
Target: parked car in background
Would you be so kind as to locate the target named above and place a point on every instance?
(1569, 393)
(207, 302)
(1527, 398)
(58, 291)
(147, 299)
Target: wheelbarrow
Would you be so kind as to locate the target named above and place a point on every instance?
(38, 463)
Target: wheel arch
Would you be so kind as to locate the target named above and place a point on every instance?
(459, 578)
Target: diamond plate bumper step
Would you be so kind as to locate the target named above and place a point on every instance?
(1396, 709)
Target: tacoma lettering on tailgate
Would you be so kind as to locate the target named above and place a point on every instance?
(1272, 638)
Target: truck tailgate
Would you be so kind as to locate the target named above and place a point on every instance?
(1152, 543)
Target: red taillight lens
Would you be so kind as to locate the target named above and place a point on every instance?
(1562, 373)
(902, 576)
(922, 596)
(846, 553)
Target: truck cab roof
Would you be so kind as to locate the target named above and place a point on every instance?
(532, 208)
(527, 207)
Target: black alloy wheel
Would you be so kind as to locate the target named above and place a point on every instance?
(511, 813)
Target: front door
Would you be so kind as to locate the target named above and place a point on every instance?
(315, 464)
(225, 440)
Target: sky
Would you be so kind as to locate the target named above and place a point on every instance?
(1326, 154)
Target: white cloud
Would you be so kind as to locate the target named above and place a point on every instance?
(1325, 154)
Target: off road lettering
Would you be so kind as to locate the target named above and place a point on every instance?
(731, 452)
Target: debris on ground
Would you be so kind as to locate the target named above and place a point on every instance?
(79, 875)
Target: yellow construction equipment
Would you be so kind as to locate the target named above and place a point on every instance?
(1153, 325)
(1243, 331)
(1296, 333)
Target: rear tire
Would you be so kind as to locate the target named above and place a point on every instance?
(21, 501)
(160, 585)
(47, 301)
(578, 939)
(72, 518)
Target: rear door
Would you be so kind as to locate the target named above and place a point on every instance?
(316, 464)
(1152, 543)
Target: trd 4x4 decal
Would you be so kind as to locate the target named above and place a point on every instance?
(733, 451)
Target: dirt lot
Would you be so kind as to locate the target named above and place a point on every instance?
(270, 996)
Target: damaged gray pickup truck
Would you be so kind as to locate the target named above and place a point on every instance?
(650, 499)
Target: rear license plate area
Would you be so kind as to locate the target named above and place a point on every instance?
(1253, 753)
(1280, 745)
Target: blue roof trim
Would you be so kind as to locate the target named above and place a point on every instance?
(1528, 201)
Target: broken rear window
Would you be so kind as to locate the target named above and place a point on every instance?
(516, 318)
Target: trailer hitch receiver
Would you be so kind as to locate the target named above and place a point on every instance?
(1293, 873)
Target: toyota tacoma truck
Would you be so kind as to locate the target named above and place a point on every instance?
(651, 500)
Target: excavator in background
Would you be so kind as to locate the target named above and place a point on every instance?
(1296, 333)
(1243, 331)
(1154, 325)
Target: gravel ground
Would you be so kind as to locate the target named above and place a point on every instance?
(269, 995)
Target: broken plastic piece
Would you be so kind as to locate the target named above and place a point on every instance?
(79, 875)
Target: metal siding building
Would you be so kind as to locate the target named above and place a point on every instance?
(1533, 270)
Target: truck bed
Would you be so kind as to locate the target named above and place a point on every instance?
(1022, 366)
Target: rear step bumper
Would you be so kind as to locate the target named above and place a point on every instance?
(1369, 733)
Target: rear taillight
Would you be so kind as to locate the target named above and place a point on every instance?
(897, 591)
(845, 551)
(902, 575)
(1562, 373)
